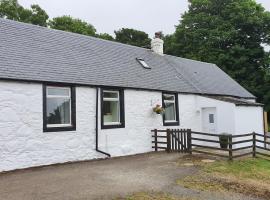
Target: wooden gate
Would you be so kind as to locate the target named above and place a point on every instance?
(172, 140)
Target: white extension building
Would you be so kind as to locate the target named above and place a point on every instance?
(66, 97)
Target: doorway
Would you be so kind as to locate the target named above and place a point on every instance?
(209, 120)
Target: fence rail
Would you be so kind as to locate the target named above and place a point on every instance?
(188, 141)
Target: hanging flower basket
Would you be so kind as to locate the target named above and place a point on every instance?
(158, 109)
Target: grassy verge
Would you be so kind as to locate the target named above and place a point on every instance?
(248, 176)
(151, 196)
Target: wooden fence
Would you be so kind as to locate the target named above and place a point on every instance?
(262, 139)
(172, 140)
(188, 141)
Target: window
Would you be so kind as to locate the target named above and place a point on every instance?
(170, 104)
(112, 109)
(58, 108)
(143, 63)
(211, 118)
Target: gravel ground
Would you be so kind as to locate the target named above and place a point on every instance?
(104, 179)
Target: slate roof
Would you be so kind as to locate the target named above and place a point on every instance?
(36, 53)
(236, 101)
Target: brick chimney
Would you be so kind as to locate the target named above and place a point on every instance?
(157, 44)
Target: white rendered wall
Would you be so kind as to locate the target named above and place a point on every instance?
(189, 113)
(224, 111)
(140, 120)
(24, 144)
(234, 119)
(22, 140)
(248, 120)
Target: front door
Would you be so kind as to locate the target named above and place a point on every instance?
(209, 120)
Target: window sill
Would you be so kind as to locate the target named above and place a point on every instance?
(59, 129)
(112, 123)
(111, 126)
(175, 123)
(59, 126)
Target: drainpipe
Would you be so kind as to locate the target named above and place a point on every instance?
(97, 104)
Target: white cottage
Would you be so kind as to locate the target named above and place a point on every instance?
(66, 97)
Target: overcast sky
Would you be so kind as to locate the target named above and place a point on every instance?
(109, 15)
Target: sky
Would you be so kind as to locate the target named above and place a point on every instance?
(109, 15)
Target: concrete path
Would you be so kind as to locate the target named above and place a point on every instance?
(104, 179)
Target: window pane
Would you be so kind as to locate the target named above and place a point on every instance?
(110, 94)
(58, 91)
(144, 64)
(111, 111)
(211, 118)
(168, 97)
(169, 111)
(58, 111)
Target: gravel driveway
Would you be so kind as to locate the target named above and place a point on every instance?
(103, 179)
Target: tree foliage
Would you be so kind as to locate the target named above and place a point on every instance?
(229, 33)
(67, 23)
(132, 37)
(11, 9)
(105, 36)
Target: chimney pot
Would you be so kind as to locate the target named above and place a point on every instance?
(157, 44)
(158, 35)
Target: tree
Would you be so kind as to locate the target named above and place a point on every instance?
(105, 36)
(38, 16)
(229, 33)
(169, 41)
(67, 23)
(132, 37)
(11, 9)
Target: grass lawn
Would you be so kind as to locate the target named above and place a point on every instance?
(248, 176)
(256, 169)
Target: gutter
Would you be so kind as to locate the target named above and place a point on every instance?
(97, 149)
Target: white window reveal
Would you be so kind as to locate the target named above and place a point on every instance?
(58, 106)
(111, 108)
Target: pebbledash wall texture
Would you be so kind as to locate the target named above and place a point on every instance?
(24, 144)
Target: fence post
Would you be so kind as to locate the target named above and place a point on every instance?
(230, 148)
(254, 145)
(265, 140)
(168, 141)
(155, 133)
(189, 141)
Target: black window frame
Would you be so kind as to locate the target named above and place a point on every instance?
(122, 108)
(73, 109)
(177, 122)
